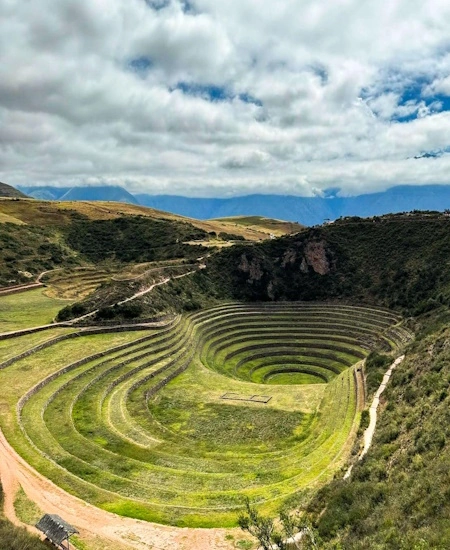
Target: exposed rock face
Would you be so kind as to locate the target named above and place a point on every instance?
(289, 257)
(244, 265)
(316, 257)
(304, 266)
(253, 268)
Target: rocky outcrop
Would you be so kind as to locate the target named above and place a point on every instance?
(253, 268)
(289, 257)
(315, 256)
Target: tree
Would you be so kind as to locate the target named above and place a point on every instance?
(295, 532)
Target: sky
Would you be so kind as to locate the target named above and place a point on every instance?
(219, 98)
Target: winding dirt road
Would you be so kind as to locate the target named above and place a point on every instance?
(93, 522)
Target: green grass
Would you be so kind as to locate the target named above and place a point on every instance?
(27, 309)
(12, 347)
(289, 378)
(184, 455)
(26, 510)
(16, 538)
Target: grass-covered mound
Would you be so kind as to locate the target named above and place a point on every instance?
(180, 423)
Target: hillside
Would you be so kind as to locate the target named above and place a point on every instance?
(398, 497)
(54, 234)
(11, 192)
(45, 212)
(397, 261)
(37, 236)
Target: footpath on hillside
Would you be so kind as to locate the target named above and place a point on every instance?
(373, 413)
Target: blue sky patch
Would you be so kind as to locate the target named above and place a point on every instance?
(444, 100)
(247, 98)
(188, 7)
(215, 93)
(140, 65)
(157, 4)
(209, 92)
(433, 154)
(414, 94)
(331, 192)
(321, 72)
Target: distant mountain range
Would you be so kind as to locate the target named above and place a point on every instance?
(305, 210)
(92, 193)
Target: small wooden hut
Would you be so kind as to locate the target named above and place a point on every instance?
(56, 530)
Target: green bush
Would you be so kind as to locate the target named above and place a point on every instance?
(69, 312)
(376, 365)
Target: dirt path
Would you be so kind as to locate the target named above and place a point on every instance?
(37, 283)
(136, 295)
(368, 434)
(92, 521)
(150, 288)
(145, 291)
(10, 486)
(148, 271)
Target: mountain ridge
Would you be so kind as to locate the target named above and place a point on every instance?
(305, 210)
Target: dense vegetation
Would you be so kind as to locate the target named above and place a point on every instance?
(399, 496)
(133, 239)
(25, 251)
(397, 261)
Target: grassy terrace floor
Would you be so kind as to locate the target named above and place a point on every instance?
(27, 309)
(142, 429)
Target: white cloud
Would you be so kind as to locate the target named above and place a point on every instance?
(313, 94)
(439, 86)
